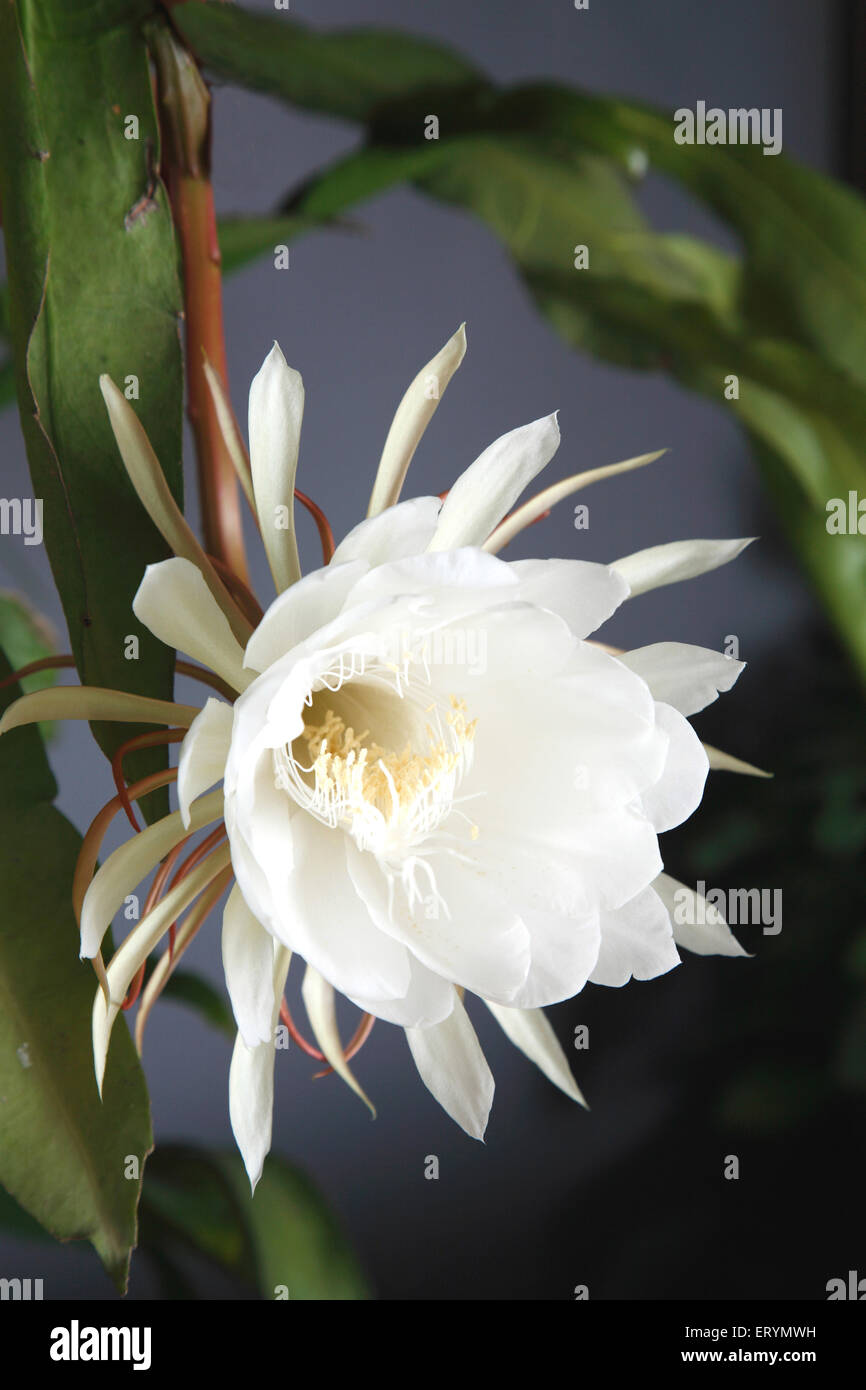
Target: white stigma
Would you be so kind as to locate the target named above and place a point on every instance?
(389, 798)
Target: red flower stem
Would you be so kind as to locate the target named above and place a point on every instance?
(184, 112)
(326, 535)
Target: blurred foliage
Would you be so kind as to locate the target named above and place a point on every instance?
(64, 1150)
(25, 636)
(771, 1066)
(547, 170)
(550, 170)
(282, 1243)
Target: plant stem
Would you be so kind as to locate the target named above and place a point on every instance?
(184, 108)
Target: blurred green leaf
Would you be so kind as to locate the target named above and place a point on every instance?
(343, 73)
(93, 288)
(840, 824)
(284, 1237)
(298, 1244)
(15, 1221)
(7, 384)
(64, 1153)
(546, 168)
(771, 1098)
(188, 1200)
(188, 988)
(25, 636)
(244, 239)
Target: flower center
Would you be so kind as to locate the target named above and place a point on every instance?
(379, 757)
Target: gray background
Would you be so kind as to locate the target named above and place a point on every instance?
(358, 315)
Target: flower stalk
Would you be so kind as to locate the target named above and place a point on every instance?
(184, 112)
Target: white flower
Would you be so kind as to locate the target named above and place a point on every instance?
(433, 781)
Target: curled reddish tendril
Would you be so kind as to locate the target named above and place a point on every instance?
(326, 535)
(362, 1033)
(149, 740)
(45, 663)
(297, 1035)
(134, 989)
(244, 596)
(157, 890)
(188, 864)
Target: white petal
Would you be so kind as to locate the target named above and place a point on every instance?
(155, 495)
(620, 850)
(544, 501)
(230, 434)
(133, 952)
(251, 1103)
(698, 925)
(667, 564)
(203, 754)
(531, 1031)
(678, 791)
(689, 678)
(310, 904)
(406, 529)
(582, 593)
(304, 608)
(129, 864)
(251, 1083)
(726, 762)
(490, 486)
(248, 962)
(276, 408)
(411, 420)
(176, 605)
(466, 569)
(636, 942)
(579, 728)
(318, 998)
(564, 955)
(454, 1069)
(470, 935)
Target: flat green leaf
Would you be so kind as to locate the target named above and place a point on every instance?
(93, 288)
(15, 1221)
(64, 1154)
(344, 73)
